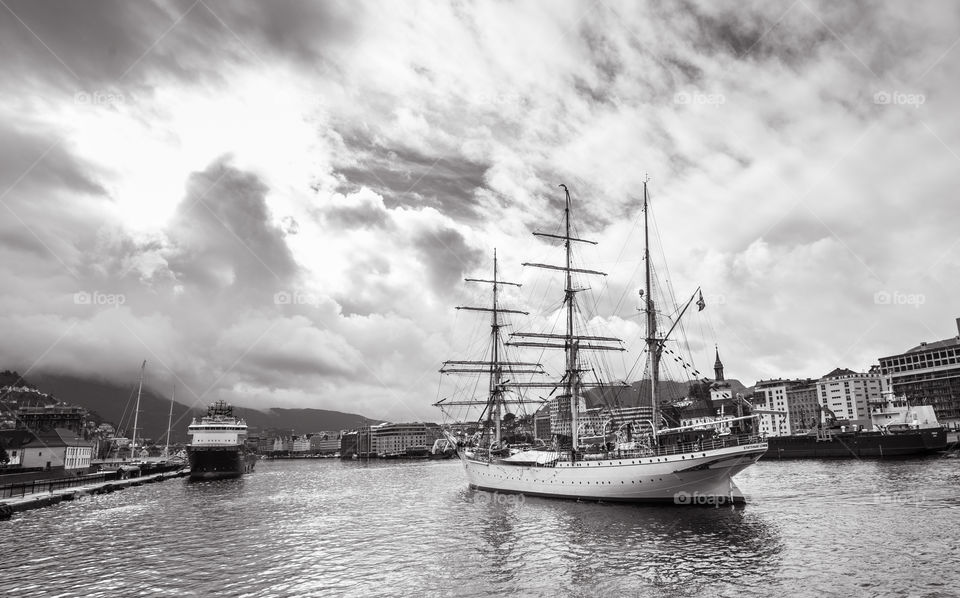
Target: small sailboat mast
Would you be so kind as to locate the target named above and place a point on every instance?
(166, 448)
(136, 412)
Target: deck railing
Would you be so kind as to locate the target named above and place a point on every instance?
(24, 488)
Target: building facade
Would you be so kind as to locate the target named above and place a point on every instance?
(541, 424)
(803, 408)
(325, 442)
(57, 449)
(560, 415)
(47, 418)
(848, 395)
(640, 416)
(300, 444)
(928, 374)
(770, 396)
(395, 439)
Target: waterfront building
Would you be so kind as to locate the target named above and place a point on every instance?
(848, 395)
(300, 444)
(541, 424)
(640, 416)
(57, 449)
(395, 439)
(12, 441)
(325, 442)
(928, 374)
(771, 395)
(560, 415)
(803, 407)
(46, 418)
(592, 421)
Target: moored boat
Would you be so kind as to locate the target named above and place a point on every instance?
(639, 461)
(898, 430)
(857, 445)
(216, 449)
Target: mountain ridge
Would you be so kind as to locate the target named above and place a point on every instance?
(115, 404)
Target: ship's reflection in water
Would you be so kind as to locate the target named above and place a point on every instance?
(570, 548)
(329, 528)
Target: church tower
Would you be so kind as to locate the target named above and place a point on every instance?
(718, 368)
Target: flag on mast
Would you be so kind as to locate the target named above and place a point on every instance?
(700, 302)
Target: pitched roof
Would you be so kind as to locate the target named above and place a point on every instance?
(58, 437)
(839, 372)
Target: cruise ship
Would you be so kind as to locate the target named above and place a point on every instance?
(216, 449)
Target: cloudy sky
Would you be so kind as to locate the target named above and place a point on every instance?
(275, 203)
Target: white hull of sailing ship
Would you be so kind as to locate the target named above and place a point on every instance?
(704, 477)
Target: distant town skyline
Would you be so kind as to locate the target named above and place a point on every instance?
(276, 204)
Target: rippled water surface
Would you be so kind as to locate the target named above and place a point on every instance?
(331, 528)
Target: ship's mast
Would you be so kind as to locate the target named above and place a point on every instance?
(136, 412)
(572, 387)
(653, 347)
(495, 357)
(496, 366)
(166, 448)
(573, 343)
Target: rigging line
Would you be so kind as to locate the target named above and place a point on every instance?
(122, 431)
(633, 227)
(681, 329)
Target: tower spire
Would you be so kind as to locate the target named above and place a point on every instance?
(718, 366)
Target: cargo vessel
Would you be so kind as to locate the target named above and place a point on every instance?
(899, 430)
(857, 445)
(217, 445)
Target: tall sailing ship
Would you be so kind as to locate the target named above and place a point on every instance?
(639, 461)
(217, 445)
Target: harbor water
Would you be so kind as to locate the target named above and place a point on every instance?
(393, 528)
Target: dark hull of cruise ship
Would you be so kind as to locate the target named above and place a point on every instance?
(217, 463)
(857, 445)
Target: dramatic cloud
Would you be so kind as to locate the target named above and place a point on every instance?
(276, 204)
